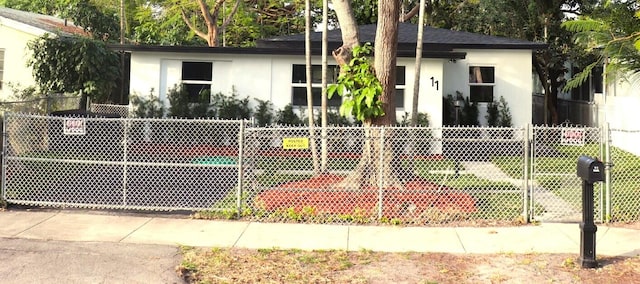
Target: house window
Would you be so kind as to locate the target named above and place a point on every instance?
(298, 80)
(196, 79)
(1, 67)
(481, 83)
(400, 86)
(299, 85)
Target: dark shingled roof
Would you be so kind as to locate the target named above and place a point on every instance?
(433, 39)
(48, 23)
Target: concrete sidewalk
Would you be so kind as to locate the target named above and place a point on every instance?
(74, 226)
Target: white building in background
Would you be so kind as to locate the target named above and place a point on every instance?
(17, 28)
(481, 67)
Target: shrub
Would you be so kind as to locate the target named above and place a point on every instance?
(230, 107)
(287, 116)
(423, 119)
(492, 114)
(264, 113)
(505, 114)
(147, 107)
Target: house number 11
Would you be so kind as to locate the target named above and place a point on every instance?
(435, 83)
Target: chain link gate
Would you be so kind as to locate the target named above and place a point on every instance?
(158, 164)
(556, 191)
(408, 175)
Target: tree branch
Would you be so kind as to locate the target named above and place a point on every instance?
(230, 17)
(191, 26)
(204, 10)
(414, 11)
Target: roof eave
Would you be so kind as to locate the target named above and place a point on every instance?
(266, 50)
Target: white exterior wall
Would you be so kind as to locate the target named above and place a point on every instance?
(15, 37)
(431, 90)
(268, 77)
(512, 74)
(619, 107)
(250, 75)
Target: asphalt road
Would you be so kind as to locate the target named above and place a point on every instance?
(38, 261)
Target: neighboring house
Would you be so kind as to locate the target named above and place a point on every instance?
(17, 28)
(482, 67)
(618, 107)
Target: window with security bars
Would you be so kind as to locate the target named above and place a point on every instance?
(197, 79)
(299, 85)
(481, 83)
(1, 67)
(299, 81)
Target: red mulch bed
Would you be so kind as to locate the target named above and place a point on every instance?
(417, 196)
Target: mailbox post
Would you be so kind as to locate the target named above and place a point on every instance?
(590, 170)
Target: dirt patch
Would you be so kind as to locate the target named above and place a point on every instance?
(295, 266)
(417, 197)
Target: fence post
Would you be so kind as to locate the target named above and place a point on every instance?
(607, 171)
(4, 156)
(525, 190)
(380, 172)
(532, 169)
(124, 160)
(240, 168)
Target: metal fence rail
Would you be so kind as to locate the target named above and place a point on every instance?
(119, 163)
(400, 175)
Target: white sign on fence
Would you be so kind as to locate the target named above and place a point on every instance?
(572, 136)
(74, 126)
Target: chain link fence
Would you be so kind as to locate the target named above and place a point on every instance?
(119, 110)
(393, 174)
(623, 186)
(397, 175)
(555, 186)
(119, 163)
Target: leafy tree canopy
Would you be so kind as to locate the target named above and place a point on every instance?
(74, 64)
(611, 31)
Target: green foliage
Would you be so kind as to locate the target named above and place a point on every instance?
(423, 119)
(101, 22)
(492, 114)
(611, 32)
(219, 105)
(469, 113)
(178, 102)
(145, 107)
(264, 113)
(334, 118)
(230, 107)
(505, 114)
(287, 116)
(23, 94)
(45, 7)
(74, 65)
(498, 114)
(159, 28)
(359, 86)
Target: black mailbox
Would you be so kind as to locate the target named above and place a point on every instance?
(590, 169)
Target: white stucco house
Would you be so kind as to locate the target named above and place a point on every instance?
(482, 67)
(17, 28)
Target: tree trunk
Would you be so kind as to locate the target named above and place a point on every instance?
(550, 89)
(349, 30)
(375, 168)
(416, 80)
(378, 166)
(386, 46)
